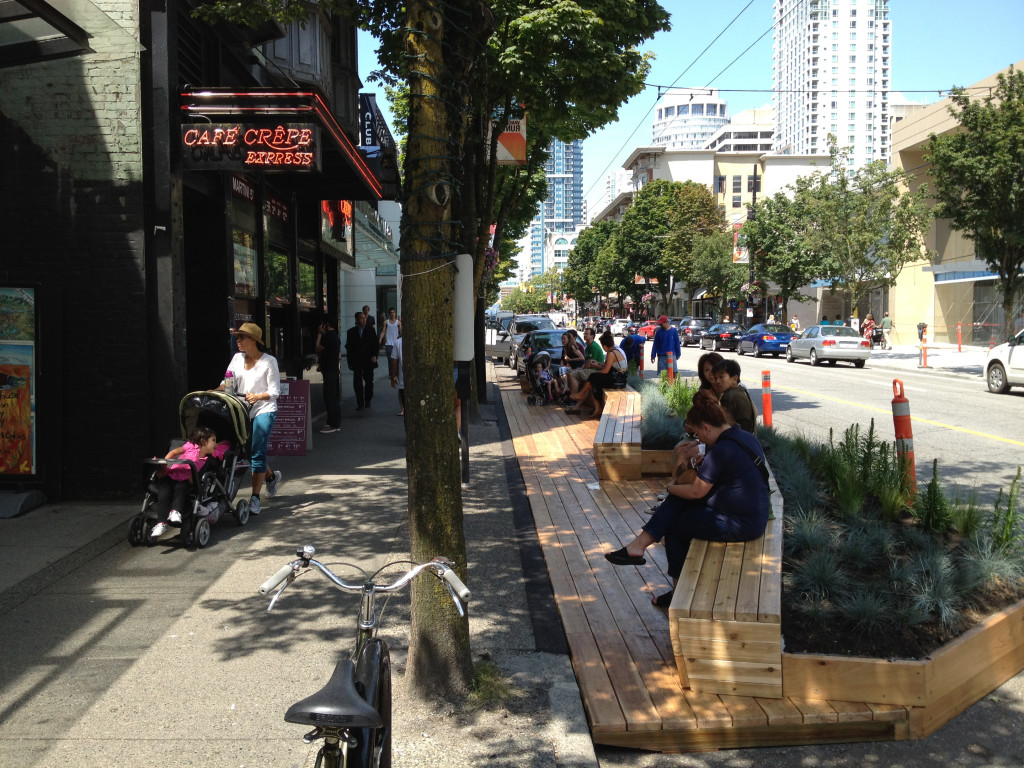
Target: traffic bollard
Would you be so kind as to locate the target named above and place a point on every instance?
(922, 359)
(904, 435)
(671, 367)
(959, 337)
(766, 398)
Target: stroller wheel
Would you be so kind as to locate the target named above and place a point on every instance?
(242, 512)
(531, 400)
(201, 534)
(137, 531)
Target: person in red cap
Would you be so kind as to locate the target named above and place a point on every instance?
(666, 339)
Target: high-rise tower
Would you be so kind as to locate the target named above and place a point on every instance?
(832, 74)
(562, 211)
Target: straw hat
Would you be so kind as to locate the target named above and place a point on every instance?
(251, 330)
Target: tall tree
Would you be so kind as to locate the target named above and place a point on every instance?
(778, 250)
(695, 215)
(643, 231)
(864, 224)
(580, 278)
(711, 265)
(979, 179)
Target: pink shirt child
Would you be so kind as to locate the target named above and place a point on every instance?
(181, 472)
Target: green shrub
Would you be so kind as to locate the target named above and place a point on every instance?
(866, 609)
(819, 574)
(806, 531)
(931, 508)
(1007, 534)
(661, 427)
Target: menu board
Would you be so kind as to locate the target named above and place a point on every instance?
(291, 435)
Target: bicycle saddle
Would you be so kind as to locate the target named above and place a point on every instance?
(338, 704)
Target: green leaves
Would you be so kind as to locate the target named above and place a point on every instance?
(978, 174)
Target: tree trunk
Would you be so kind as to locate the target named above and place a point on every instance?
(440, 662)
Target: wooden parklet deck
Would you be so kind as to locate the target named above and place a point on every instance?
(620, 643)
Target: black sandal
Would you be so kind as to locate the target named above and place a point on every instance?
(622, 557)
(663, 600)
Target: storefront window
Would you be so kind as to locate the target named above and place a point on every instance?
(279, 292)
(307, 285)
(245, 262)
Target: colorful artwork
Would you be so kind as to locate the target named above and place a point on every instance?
(17, 381)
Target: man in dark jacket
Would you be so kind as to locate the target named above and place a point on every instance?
(328, 355)
(361, 347)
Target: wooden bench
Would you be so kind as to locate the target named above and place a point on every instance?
(617, 442)
(725, 617)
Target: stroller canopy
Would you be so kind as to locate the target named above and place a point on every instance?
(225, 414)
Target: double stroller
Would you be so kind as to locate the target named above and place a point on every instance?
(216, 483)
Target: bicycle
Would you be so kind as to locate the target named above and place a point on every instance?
(352, 713)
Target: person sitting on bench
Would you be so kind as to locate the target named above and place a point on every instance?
(728, 500)
(613, 374)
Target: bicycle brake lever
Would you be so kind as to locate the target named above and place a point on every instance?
(455, 598)
(277, 594)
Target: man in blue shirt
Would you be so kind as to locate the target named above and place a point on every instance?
(666, 339)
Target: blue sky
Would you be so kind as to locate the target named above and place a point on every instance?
(936, 44)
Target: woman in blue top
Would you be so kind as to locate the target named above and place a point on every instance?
(728, 501)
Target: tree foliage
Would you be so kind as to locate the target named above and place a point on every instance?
(711, 266)
(978, 173)
(778, 250)
(643, 231)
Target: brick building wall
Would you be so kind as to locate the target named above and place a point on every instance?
(72, 222)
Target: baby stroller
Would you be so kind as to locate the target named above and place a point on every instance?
(219, 479)
(538, 389)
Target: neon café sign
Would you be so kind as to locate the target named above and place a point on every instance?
(237, 146)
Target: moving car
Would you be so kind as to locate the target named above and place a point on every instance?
(721, 336)
(831, 343)
(765, 339)
(692, 328)
(1005, 365)
(549, 341)
(521, 326)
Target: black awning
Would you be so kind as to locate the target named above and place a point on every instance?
(343, 173)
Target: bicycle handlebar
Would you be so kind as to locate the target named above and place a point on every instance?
(439, 566)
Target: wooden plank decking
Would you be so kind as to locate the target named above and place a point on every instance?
(620, 643)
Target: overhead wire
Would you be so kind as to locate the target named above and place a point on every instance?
(681, 74)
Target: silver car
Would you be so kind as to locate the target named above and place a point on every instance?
(831, 343)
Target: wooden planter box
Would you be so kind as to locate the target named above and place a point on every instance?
(656, 462)
(937, 689)
(934, 690)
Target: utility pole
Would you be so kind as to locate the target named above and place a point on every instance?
(750, 217)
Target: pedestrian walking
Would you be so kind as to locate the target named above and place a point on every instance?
(666, 339)
(257, 378)
(361, 347)
(371, 321)
(391, 331)
(328, 357)
(795, 324)
(395, 361)
(886, 330)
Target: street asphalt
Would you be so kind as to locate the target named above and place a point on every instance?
(115, 655)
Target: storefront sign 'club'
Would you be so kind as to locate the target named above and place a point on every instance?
(235, 147)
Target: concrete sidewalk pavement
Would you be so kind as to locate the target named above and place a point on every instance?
(161, 655)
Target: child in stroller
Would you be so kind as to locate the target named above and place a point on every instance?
(207, 495)
(541, 381)
(176, 484)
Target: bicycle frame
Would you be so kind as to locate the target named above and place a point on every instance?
(352, 713)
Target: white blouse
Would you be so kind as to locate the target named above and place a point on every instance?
(264, 376)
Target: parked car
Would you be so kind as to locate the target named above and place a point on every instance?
(692, 328)
(619, 326)
(647, 329)
(721, 336)
(540, 341)
(831, 343)
(632, 328)
(496, 328)
(1005, 365)
(765, 339)
(521, 326)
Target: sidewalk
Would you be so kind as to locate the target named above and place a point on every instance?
(115, 655)
(945, 359)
